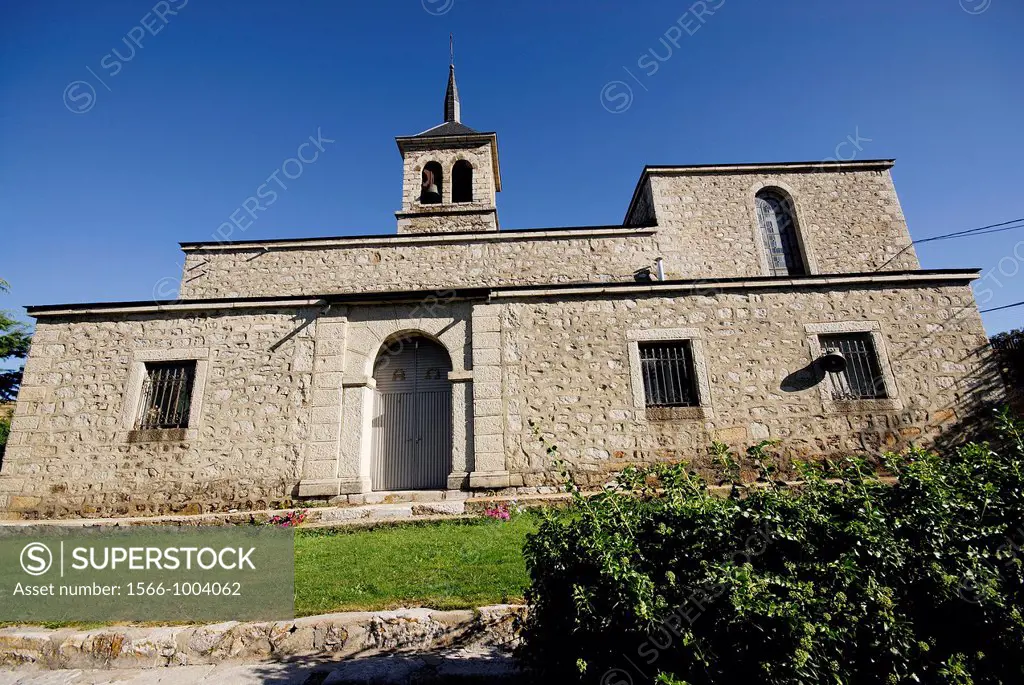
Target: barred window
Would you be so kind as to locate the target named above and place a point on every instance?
(667, 370)
(862, 379)
(167, 395)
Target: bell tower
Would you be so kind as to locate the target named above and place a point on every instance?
(450, 175)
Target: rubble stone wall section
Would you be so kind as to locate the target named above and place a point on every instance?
(432, 264)
(847, 222)
(568, 377)
(71, 449)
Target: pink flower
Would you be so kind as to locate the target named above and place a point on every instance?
(288, 520)
(500, 512)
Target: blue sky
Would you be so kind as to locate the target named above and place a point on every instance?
(177, 133)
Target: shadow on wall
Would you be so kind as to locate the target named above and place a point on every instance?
(991, 389)
(982, 395)
(804, 379)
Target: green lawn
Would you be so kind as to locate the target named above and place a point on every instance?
(449, 565)
(441, 565)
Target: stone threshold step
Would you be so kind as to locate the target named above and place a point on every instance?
(373, 523)
(392, 511)
(399, 496)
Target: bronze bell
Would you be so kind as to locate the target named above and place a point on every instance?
(430, 195)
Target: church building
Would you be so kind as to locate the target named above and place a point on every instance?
(734, 303)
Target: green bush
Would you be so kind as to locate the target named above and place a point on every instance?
(846, 579)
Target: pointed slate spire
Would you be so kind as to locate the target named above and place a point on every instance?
(452, 106)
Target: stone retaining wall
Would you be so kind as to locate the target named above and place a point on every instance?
(334, 636)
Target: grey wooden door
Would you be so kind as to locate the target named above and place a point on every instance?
(412, 416)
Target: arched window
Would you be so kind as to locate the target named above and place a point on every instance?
(462, 181)
(432, 185)
(777, 223)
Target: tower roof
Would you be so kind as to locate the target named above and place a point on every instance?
(448, 128)
(452, 106)
(452, 133)
(452, 125)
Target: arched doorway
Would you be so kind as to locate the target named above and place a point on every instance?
(412, 415)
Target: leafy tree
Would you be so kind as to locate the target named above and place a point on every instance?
(1014, 338)
(14, 342)
(1009, 350)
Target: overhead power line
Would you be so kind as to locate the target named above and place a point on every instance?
(981, 230)
(1005, 306)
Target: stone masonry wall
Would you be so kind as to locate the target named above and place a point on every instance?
(447, 223)
(512, 259)
(561, 365)
(479, 155)
(484, 189)
(70, 450)
(848, 222)
(566, 369)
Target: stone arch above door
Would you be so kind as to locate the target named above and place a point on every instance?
(369, 329)
(411, 420)
(368, 336)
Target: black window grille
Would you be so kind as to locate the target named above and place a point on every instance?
(167, 395)
(667, 369)
(862, 378)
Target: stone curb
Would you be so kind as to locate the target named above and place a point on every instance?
(342, 516)
(335, 636)
(369, 515)
(339, 515)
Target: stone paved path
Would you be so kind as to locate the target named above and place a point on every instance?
(461, 666)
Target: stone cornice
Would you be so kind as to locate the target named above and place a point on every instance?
(448, 210)
(163, 306)
(770, 167)
(710, 286)
(713, 286)
(581, 232)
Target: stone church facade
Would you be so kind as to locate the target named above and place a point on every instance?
(735, 303)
